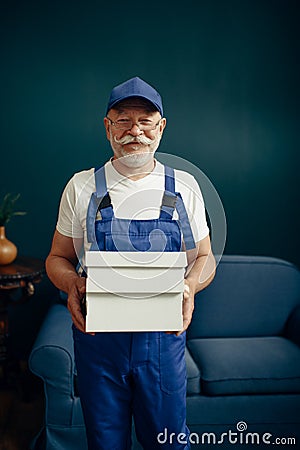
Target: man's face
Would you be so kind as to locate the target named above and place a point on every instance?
(134, 132)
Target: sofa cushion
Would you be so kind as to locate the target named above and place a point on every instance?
(193, 375)
(249, 296)
(259, 365)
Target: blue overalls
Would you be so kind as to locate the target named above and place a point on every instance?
(142, 374)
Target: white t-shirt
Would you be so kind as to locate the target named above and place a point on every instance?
(140, 199)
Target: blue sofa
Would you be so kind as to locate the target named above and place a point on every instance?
(243, 363)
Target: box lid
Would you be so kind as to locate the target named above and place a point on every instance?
(133, 259)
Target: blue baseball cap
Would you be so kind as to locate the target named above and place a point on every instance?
(135, 87)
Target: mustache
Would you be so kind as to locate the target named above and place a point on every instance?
(139, 139)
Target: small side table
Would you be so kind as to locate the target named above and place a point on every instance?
(22, 274)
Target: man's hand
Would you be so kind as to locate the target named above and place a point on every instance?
(76, 294)
(187, 307)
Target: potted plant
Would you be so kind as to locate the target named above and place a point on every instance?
(8, 250)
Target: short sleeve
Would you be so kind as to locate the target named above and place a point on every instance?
(198, 215)
(68, 222)
(194, 204)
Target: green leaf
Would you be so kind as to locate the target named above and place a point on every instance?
(7, 208)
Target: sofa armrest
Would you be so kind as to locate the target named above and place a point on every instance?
(193, 374)
(292, 330)
(52, 359)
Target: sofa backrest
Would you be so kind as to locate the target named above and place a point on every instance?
(249, 296)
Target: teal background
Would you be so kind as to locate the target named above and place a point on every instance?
(228, 72)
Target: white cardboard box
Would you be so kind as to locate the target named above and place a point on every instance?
(134, 291)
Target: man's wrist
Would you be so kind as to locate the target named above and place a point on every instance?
(191, 284)
(70, 280)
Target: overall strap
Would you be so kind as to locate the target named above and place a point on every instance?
(91, 217)
(169, 198)
(100, 182)
(105, 206)
(100, 200)
(172, 200)
(169, 179)
(186, 229)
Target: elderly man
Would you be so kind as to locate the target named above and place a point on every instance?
(139, 374)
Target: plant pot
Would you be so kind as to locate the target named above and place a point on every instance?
(8, 250)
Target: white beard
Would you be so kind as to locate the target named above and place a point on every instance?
(135, 160)
(138, 158)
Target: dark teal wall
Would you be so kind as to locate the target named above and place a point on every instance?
(228, 72)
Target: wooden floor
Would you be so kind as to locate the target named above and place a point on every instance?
(21, 411)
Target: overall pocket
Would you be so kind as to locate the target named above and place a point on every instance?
(143, 242)
(172, 362)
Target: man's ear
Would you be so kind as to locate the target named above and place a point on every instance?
(162, 125)
(107, 127)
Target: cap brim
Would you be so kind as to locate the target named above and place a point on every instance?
(156, 106)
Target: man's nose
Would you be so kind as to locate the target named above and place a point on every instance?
(135, 131)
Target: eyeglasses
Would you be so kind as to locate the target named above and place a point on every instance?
(125, 124)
